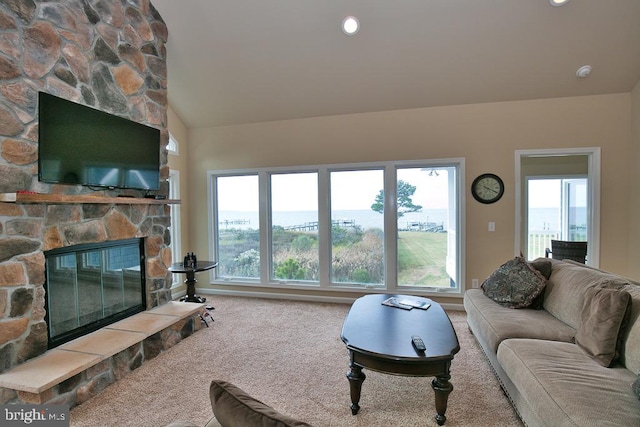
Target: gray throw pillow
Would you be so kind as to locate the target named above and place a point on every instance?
(514, 284)
(233, 407)
(602, 318)
(543, 265)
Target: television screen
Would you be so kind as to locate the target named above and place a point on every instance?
(81, 145)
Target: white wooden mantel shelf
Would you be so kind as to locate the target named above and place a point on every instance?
(80, 198)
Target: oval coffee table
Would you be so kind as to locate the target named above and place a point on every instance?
(378, 337)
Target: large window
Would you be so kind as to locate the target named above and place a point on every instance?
(387, 226)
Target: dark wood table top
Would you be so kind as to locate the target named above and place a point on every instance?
(376, 329)
(178, 267)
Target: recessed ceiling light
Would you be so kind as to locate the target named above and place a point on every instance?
(557, 3)
(583, 71)
(350, 25)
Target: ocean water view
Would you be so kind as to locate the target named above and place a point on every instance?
(540, 219)
(548, 219)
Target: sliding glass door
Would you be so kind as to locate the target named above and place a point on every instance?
(556, 209)
(557, 197)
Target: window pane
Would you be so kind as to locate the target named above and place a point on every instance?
(294, 219)
(172, 145)
(238, 227)
(357, 224)
(174, 227)
(575, 210)
(544, 224)
(426, 208)
(557, 209)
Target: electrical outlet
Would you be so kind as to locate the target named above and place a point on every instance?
(492, 226)
(474, 283)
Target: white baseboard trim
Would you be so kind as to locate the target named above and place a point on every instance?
(293, 297)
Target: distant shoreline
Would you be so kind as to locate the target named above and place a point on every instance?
(542, 219)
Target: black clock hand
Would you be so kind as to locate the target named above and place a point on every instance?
(490, 189)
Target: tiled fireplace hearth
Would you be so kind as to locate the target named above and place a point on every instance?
(78, 370)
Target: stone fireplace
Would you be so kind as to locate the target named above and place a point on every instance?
(22, 272)
(108, 54)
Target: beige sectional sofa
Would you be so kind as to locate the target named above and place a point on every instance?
(548, 360)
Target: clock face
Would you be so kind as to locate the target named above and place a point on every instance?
(487, 188)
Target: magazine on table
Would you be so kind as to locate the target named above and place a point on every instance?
(406, 303)
(413, 302)
(393, 302)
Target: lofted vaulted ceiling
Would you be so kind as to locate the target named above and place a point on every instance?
(244, 61)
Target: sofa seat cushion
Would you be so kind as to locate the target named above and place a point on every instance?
(493, 323)
(566, 387)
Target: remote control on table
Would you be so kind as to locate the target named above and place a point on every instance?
(418, 343)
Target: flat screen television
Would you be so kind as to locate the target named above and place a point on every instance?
(81, 145)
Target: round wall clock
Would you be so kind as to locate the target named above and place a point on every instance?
(487, 188)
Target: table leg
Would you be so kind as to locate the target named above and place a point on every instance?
(191, 289)
(356, 378)
(191, 284)
(442, 387)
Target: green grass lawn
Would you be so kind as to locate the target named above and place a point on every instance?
(421, 259)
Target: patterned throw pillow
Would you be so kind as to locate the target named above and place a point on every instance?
(514, 284)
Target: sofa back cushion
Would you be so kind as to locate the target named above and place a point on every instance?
(604, 316)
(566, 287)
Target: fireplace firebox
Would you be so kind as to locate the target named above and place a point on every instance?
(90, 286)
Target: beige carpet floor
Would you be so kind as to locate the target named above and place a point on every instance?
(289, 355)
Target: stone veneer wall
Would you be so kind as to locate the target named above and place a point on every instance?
(108, 54)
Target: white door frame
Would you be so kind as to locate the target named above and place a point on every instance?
(176, 223)
(593, 179)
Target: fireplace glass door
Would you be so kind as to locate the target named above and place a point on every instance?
(91, 286)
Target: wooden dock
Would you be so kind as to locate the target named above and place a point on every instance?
(313, 225)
